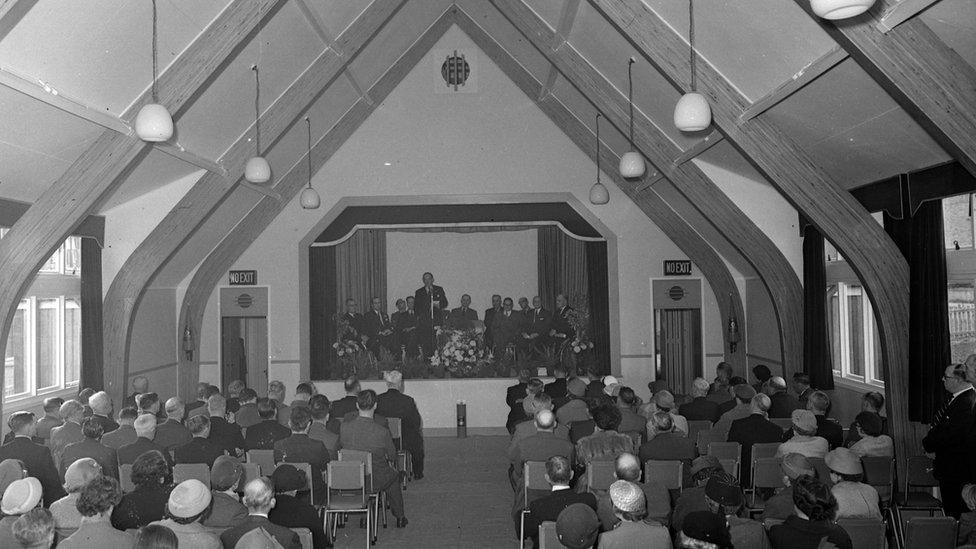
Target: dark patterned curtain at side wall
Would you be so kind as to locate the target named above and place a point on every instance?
(599, 301)
(322, 299)
(817, 361)
(92, 368)
(921, 241)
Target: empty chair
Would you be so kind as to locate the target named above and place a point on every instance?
(304, 536)
(767, 475)
(880, 473)
(600, 475)
(548, 539)
(667, 472)
(919, 475)
(186, 471)
(725, 450)
(706, 437)
(264, 458)
(534, 486)
(404, 462)
(866, 533)
(346, 493)
(930, 533)
(377, 498)
(764, 450)
(125, 478)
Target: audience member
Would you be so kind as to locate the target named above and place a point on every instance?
(276, 392)
(742, 408)
(234, 389)
(724, 497)
(577, 527)
(804, 440)
(812, 521)
(364, 434)
(706, 530)
(719, 389)
(303, 392)
(605, 443)
(299, 448)
(34, 529)
(35, 458)
(870, 441)
(263, 435)
(967, 520)
(762, 375)
(950, 438)
(630, 420)
(289, 510)
(540, 446)
(664, 443)
(539, 402)
(393, 403)
(872, 402)
(139, 385)
(259, 500)
(19, 498)
(658, 500)
(514, 396)
(171, 433)
(345, 404)
(51, 418)
(755, 429)
(95, 503)
(200, 449)
(145, 427)
(780, 505)
(83, 395)
(632, 530)
(101, 405)
(224, 435)
(188, 506)
(693, 498)
(580, 429)
(575, 408)
(831, 431)
(65, 510)
(534, 387)
(199, 407)
(319, 407)
(154, 536)
(664, 401)
(801, 386)
(557, 389)
(855, 499)
(10, 470)
(595, 386)
(700, 408)
(226, 509)
(91, 448)
(72, 414)
(153, 479)
(248, 413)
(126, 433)
(783, 403)
(149, 404)
(732, 402)
(559, 473)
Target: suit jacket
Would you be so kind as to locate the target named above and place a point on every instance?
(462, 318)
(580, 429)
(538, 321)
(107, 423)
(548, 508)
(539, 447)
(516, 413)
(282, 413)
(802, 397)
(264, 435)
(366, 435)
(45, 425)
(198, 450)
(63, 436)
(247, 415)
(125, 434)
(226, 436)
(130, 452)
(556, 389)
(393, 403)
(489, 320)
(748, 431)
(299, 448)
(88, 448)
(37, 460)
(96, 534)
(700, 409)
(951, 440)
(321, 433)
(783, 405)
(284, 536)
(422, 304)
(404, 326)
(171, 433)
(357, 328)
(505, 329)
(226, 511)
(375, 323)
(293, 512)
(562, 325)
(668, 446)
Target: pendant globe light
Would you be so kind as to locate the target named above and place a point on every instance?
(257, 169)
(154, 123)
(598, 193)
(840, 9)
(310, 198)
(631, 163)
(692, 113)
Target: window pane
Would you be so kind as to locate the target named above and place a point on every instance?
(47, 343)
(962, 321)
(878, 373)
(855, 321)
(833, 320)
(72, 255)
(72, 340)
(957, 221)
(51, 266)
(15, 365)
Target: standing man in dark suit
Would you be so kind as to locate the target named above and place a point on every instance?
(264, 435)
(783, 403)
(430, 302)
(463, 317)
(91, 448)
(700, 408)
(36, 458)
(378, 327)
(393, 403)
(951, 439)
(200, 449)
(754, 429)
(299, 448)
(259, 500)
(505, 326)
(496, 308)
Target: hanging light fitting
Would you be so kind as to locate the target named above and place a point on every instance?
(257, 169)
(598, 193)
(631, 163)
(692, 113)
(310, 199)
(154, 123)
(840, 9)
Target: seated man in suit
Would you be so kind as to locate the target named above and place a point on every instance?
(700, 408)
(505, 327)
(101, 405)
(200, 449)
(345, 404)
(95, 503)
(35, 457)
(393, 403)
(51, 418)
(72, 413)
(783, 403)
(199, 406)
(562, 323)
(126, 433)
(535, 329)
(379, 329)
(292, 511)
(259, 500)
(149, 404)
(227, 508)
(630, 420)
(248, 414)
(463, 317)
(303, 392)
(264, 435)
(355, 328)
(91, 448)
(557, 389)
(299, 448)
(145, 427)
(665, 443)
(539, 446)
(818, 402)
(172, 433)
(223, 434)
(755, 428)
(559, 472)
(628, 467)
(234, 389)
(319, 408)
(364, 434)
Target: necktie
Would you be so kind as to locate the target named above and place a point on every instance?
(940, 414)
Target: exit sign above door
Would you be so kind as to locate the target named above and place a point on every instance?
(243, 278)
(677, 267)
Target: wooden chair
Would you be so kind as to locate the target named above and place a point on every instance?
(404, 462)
(866, 533)
(378, 499)
(880, 473)
(600, 475)
(548, 539)
(264, 458)
(186, 471)
(667, 472)
(304, 536)
(931, 533)
(346, 493)
(533, 478)
(125, 478)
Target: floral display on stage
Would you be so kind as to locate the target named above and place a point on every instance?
(462, 353)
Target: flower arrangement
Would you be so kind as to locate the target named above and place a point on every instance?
(348, 347)
(579, 319)
(460, 353)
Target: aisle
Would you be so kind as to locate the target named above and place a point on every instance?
(464, 500)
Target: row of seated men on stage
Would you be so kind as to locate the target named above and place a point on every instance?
(573, 422)
(67, 465)
(526, 329)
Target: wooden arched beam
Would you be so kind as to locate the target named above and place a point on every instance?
(126, 292)
(868, 250)
(266, 209)
(776, 273)
(95, 173)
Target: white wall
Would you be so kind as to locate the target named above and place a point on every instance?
(479, 264)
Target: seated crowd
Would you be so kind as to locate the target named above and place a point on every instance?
(586, 429)
(82, 476)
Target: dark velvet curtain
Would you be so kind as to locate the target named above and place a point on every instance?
(562, 266)
(360, 268)
(920, 239)
(598, 293)
(92, 369)
(321, 297)
(817, 360)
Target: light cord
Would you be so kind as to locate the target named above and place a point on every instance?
(598, 147)
(257, 109)
(308, 156)
(155, 96)
(630, 98)
(691, 40)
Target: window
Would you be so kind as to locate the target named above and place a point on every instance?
(854, 342)
(43, 352)
(958, 226)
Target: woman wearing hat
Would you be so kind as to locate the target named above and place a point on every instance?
(189, 504)
(20, 497)
(855, 499)
(632, 530)
(65, 510)
(812, 520)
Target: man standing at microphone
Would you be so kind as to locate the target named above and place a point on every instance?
(430, 301)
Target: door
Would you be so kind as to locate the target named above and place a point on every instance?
(244, 336)
(679, 347)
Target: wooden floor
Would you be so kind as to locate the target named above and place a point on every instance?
(464, 500)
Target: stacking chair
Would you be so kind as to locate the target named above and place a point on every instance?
(764, 450)
(667, 472)
(706, 437)
(548, 539)
(725, 450)
(770, 522)
(919, 475)
(880, 473)
(264, 458)
(307, 468)
(304, 536)
(251, 472)
(766, 474)
(866, 533)
(125, 478)
(404, 462)
(378, 499)
(730, 466)
(186, 471)
(533, 480)
(346, 493)
(600, 475)
(696, 426)
(783, 423)
(930, 533)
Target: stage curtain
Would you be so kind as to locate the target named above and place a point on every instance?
(92, 359)
(360, 268)
(817, 360)
(322, 300)
(598, 294)
(562, 266)
(920, 239)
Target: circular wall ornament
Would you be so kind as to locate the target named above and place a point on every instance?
(244, 301)
(676, 293)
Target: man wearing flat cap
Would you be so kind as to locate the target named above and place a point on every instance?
(189, 503)
(632, 530)
(393, 403)
(227, 509)
(577, 527)
(290, 510)
(724, 498)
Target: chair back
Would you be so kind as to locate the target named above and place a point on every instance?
(186, 471)
(251, 472)
(783, 423)
(264, 458)
(730, 466)
(725, 450)
(764, 450)
(705, 438)
(930, 533)
(600, 475)
(667, 472)
(533, 478)
(767, 473)
(695, 426)
(125, 478)
(396, 430)
(307, 469)
(880, 473)
(919, 473)
(346, 477)
(304, 536)
(823, 472)
(366, 458)
(548, 539)
(866, 533)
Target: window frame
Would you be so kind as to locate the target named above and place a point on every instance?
(871, 378)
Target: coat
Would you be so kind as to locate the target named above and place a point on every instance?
(96, 534)
(141, 506)
(125, 434)
(62, 436)
(393, 403)
(130, 452)
(700, 409)
(292, 512)
(748, 431)
(88, 448)
(284, 536)
(198, 450)
(797, 533)
(264, 435)
(226, 512)
(226, 436)
(548, 508)
(38, 463)
(171, 433)
(951, 440)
